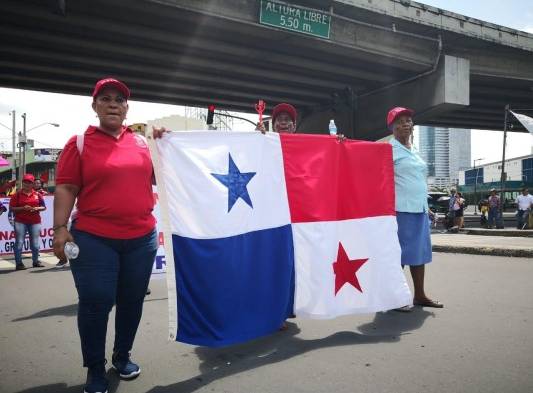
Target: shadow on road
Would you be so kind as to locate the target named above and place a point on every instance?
(67, 311)
(220, 363)
(7, 271)
(51, 270)
(396, 323)
(114, 381)
(54, 388)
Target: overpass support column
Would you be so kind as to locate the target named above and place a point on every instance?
(431, 94)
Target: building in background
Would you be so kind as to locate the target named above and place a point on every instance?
(446, 152)
(40, 162)
(477, 182)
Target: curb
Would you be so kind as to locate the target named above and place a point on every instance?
(500, 252)
(496, 232)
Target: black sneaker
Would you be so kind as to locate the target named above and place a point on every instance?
(62, 263)
(148, 291)
(20, 266)
(38, 264)
(125, 367)
(96, 380)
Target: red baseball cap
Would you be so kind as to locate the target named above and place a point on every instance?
(102, 83)
(394, 113)
(28, 177)
(288, 108)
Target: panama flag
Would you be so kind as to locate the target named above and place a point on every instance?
(261, 226)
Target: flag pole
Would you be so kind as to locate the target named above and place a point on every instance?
(167, 235)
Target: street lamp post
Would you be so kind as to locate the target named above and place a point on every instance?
(13, 149)
(22, 145)
(475, 185)
(43, 124)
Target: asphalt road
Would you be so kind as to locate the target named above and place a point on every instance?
(481, 341)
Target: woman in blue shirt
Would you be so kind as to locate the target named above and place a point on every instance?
(411, 202)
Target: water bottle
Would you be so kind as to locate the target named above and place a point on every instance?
(71, 250)
(332, 127)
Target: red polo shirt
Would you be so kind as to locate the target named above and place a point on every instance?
(20, 199)
(115, 180)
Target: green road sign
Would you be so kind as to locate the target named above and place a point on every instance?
(295, 18)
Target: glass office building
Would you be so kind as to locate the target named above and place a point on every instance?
(446, 152)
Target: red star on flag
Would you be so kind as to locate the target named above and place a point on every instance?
(345, 269)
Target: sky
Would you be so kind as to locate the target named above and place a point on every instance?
(74, 113)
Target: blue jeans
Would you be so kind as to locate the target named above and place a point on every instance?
(20, 235)
(107, 272)
(494, 216)
(521, 218)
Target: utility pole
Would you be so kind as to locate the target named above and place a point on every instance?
(14, 148)
(475, 185)
(24, 143)
(22, 151)
(20, 174)
(503, 175)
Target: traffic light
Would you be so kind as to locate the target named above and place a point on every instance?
(210, 114)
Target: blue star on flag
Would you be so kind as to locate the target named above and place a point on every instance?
(236, 181)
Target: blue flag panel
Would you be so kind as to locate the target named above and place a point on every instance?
(233, 289)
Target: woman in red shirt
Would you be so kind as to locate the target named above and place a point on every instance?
(27, 204)
(109, 171)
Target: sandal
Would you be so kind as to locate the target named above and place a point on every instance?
(429, 303)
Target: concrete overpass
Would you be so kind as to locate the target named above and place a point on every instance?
(454, 70)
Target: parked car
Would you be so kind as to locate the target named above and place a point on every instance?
(438, 202)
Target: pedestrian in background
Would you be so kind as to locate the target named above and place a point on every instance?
(484, 210)
(38, 187)
(27, 205)
(411, 203)
(524, 203)
(114, 231)
(450, 217)
(458, 210)
(494, 209)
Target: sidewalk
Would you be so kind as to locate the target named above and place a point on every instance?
(497, 242)
(8, 261)
(509, 232)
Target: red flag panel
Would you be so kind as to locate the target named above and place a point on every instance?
(328, 180)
